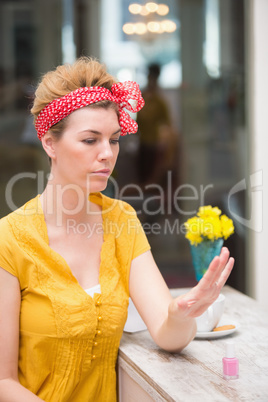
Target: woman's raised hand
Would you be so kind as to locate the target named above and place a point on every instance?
(199, 298)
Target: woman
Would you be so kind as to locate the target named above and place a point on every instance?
(71, 257)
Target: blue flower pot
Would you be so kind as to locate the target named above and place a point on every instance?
(202, 255)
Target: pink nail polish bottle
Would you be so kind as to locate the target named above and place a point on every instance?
(230, 362)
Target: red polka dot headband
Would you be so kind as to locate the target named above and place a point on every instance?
(121, 93)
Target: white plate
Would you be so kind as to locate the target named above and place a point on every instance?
(218, 334)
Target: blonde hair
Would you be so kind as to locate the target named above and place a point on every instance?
(85, 72)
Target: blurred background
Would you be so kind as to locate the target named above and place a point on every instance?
(190, 58)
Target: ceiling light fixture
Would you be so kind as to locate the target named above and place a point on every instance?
(135, 8)
(147, 24)
(162, 10)
(150, 7)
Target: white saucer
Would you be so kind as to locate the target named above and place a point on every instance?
(218, 334)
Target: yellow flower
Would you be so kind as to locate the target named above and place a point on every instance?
(212, 228)
(208, 225)
(194, 230)
(227, 226)
(194, 238)
(194, 225)
(207, 211)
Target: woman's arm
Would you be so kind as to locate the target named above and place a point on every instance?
(10, 388)
(171, 321)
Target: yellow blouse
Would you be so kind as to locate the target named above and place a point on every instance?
(68, 340)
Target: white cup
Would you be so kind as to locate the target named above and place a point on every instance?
(210, 318)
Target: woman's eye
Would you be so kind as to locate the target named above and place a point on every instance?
(115, 141)
(89, 141)
(92, 141)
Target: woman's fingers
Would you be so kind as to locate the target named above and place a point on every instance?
(198, 299)
(215, 269)
(211, 275)
(226, 272)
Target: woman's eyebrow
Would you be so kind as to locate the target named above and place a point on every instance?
(98, 132)
(116, 132)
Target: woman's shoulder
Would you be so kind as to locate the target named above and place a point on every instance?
(15, 233)
(4, 225)
(30, 208)
(117, 207)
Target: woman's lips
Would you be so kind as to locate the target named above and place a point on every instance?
(102, 172)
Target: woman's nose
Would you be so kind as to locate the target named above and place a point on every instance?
(105, 151)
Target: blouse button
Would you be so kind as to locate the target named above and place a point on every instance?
(98, 303)
(95, 343)
(93, 357)
(100, 318)
(99, 332)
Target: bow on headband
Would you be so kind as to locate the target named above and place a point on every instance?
(121, 93)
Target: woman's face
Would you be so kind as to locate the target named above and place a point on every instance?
(87, 151)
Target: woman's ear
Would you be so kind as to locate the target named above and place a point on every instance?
(48, 144)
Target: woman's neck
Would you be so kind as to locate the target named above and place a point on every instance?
(60, 204)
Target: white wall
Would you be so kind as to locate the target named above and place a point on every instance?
(258, 132)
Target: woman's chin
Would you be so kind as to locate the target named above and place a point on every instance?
(97, 187)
